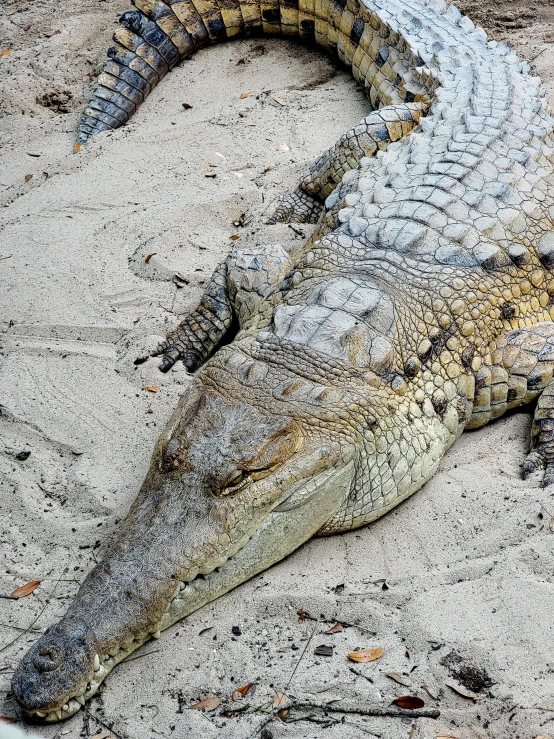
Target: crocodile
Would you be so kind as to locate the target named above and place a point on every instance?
(328, 383)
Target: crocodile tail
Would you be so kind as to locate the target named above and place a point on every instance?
(152, 38)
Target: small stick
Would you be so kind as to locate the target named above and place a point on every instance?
(390, 712)
(139, 656)
(416, 713)
(360, 674)
(103, 723)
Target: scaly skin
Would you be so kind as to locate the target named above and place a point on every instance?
(421, 306)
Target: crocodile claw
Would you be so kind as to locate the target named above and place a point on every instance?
(535, 461)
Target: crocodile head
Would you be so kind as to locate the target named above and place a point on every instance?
(226, 496)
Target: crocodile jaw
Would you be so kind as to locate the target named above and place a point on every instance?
(282, 531)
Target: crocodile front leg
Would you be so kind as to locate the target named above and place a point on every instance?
(372, 134)
(236, 291)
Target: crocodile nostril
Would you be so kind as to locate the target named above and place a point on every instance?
(48, 658)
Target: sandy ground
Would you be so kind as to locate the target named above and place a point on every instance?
(457, 583)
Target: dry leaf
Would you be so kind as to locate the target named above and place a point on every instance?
(240, 692)
(5, 52)
(462, 691)
(247, 94)
(148, 257)
(77, 147)
(186, 106)
(234, 237)
(26, 589)
(102, 735)
(151, 388)
(451, 736)
(208, 704)
(399, 678)
(9, 720)
(335, 629)
(280, 699)
(284, 146)
(28, 177)
(367, 655)
(269, 167)
(209, 172)
(279, 100)
(410, 702)
(302, 616)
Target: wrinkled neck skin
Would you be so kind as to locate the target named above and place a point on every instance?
(235, 485)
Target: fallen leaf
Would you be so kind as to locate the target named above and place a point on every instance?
(410, 702)
(324, 651)
(28, 177)
(269, 167)
(284, 146)
(9, 720)
(451, 736)
(148, 257)
(280, 699)
(247, 94)
(186, 106)
(462, 691)
(77, 147)
(240, 692)
(242, 60)
(207, 704)
(234, 237)
(209, 172)
(26, 589)
(335, 629)
(102, 735)
(279, 100)
(302, 616)
(5, 52)
(366, 655)
(151, 388)
(399, 678)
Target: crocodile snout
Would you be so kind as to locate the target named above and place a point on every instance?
(54, 670)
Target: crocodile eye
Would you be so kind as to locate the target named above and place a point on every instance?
(236, 480)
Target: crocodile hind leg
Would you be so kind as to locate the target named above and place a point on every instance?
(236, 291)
(518, 369)
(541, 455)
(372, 134)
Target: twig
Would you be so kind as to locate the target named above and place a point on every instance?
(389, 712)
(103, 723)
(19, 628)
(139, 656)
(302, 655)
(360, 674)
(417, 713)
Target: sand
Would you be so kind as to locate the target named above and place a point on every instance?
(456, 583)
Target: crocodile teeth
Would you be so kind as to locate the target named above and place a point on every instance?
(58, 714)
(53, 716)
(156, 635)
(96, 663)
(41, 714)
(80, 699)
(65, 707)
